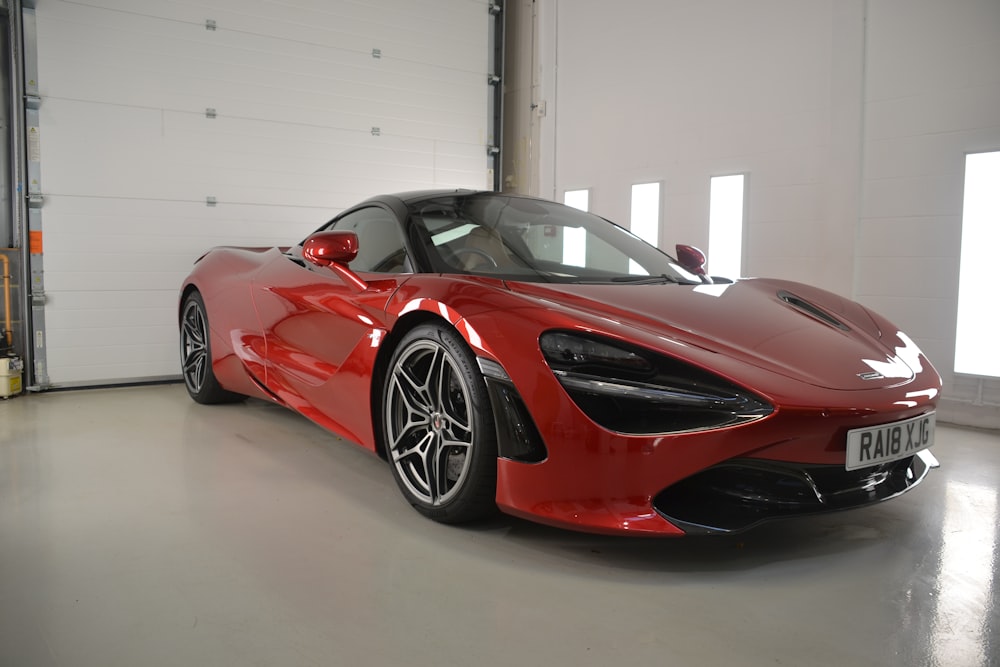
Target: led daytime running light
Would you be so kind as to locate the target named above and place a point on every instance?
(646, 392)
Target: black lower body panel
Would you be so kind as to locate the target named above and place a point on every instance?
(741, 493)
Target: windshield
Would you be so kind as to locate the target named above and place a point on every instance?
(534, 240)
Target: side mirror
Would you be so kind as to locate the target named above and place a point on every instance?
(335, 250)
(691, 259)
(326, 248)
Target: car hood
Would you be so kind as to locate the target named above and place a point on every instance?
(798, 331)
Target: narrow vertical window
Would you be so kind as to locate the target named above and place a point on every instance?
(575, 240)
(579, 199)
(645, 219)
(725, 226)
(976, 351)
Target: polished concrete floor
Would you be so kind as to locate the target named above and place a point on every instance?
(138, 528)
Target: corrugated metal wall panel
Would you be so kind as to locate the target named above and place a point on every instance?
(129, 156)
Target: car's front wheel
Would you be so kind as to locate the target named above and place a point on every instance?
(438, 426)
(196, 355)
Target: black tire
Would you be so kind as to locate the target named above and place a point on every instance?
(196, 355)
(440, 437)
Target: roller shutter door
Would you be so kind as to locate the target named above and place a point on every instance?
(167, 127)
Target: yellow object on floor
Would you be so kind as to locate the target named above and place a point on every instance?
(10, 376)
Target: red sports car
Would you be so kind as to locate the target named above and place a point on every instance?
(507, 352)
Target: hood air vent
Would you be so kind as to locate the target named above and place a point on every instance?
(812, 310)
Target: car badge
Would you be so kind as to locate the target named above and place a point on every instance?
(870, 375)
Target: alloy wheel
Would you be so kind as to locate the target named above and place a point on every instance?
(429, 425)
(194, 346)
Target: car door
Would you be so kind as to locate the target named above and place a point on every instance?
(321, 333)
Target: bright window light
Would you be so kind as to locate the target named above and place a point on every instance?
(725, 226)
(575, 239)
(645, 221)
(579, 199)
(978, 316)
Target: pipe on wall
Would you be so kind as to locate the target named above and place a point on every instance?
(6, 300)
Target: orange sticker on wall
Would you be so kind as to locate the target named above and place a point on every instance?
(35, 243)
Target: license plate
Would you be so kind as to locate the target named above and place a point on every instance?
(889, 442)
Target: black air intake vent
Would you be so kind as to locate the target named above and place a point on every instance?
(740, 493)
(811, 310)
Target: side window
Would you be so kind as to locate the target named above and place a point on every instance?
(380, 241)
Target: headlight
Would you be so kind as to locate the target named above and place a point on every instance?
(630, 390)
(566, 349)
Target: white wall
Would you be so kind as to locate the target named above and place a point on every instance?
(932, 94)
(680, 92)
(128, 156)
(851, 117)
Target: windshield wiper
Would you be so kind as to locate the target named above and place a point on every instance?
(646, 280)
(662, 279)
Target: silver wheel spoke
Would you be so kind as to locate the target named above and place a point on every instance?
(455, 444)
(416, 459)
(194, 368)
(414, 415)
(447, 379)
(457, 421)
(193, 361)
(436, 378)
(419, 449)
(440, 468)
(193, 329)
(415, 394)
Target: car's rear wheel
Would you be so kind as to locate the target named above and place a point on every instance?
(438, 426)
(196, 355)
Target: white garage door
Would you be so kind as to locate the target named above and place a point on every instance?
(169, 126)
